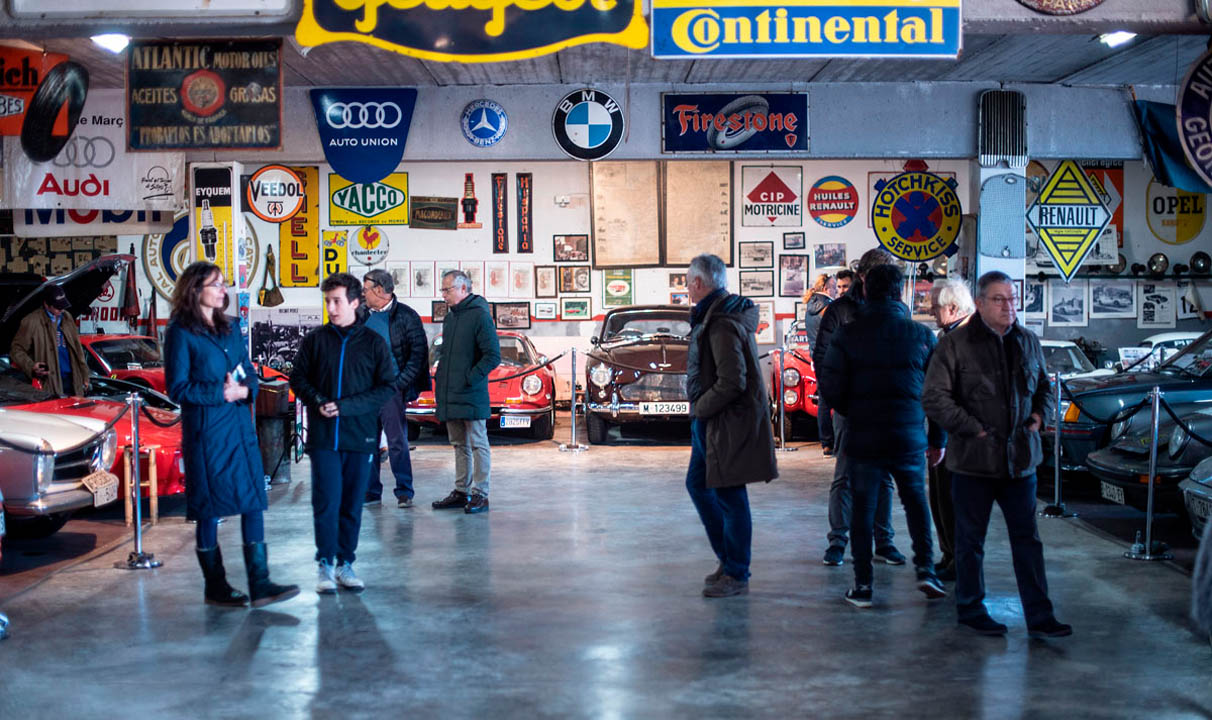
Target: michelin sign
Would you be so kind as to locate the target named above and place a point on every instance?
(843, 28)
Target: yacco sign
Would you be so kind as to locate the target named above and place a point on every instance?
(731, 123)
(378, 203)
(805, 28)
(479, 31)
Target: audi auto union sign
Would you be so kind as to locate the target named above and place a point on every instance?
(363, 130)
(94, 171)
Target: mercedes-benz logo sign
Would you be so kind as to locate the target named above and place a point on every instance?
(368, 115)
(84, 152)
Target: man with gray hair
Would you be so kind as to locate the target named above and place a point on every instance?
(468, 352)
(731, 441)
(401, 327)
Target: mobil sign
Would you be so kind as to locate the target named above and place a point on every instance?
(89, 223)
(772, 196)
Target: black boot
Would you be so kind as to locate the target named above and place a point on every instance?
(263, 591)
(218, 592)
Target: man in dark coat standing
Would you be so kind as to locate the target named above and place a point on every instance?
(343, 374)
(47, 347)
(873, 375)
(988, 387)
(839, 313)
(401, 327)
(469, 351)
(731, 440)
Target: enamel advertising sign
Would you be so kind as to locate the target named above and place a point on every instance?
(916, 215)
(732, 123)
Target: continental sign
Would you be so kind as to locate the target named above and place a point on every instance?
(378, 203)
(916, 215)
(805, 28)
(473, 30)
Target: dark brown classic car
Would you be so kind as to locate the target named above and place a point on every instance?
(637, 370)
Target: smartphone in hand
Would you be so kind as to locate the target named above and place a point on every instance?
(238, 373)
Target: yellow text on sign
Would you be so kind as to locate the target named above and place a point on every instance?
(299, 237)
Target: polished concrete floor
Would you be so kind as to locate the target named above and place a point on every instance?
(578, 595)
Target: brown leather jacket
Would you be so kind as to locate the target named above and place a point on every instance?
(36, 341)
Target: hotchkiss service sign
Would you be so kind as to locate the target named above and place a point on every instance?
(214, 95)
(805, 28)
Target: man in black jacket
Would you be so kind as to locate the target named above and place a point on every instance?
(988, 387)
(401, 326)
(840, 312)
(873, 375)
(343, 374)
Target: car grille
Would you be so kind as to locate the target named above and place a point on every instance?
(666, 387)
(73, 465)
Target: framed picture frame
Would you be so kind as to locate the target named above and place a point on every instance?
(1018, 295)
(679, 298)
(545, 282)
(496, 279)
(801, 311)
(575, 308)
(1112, 298)
(677, 281)
(443, 267)
(794, 240)
(511, 315)
(575, 279)
(475, 273)
(1035, 299)
(423, 282)
(1067, 303)
(793, 275)
(829, 255)
(546, 310)
(570, 248)
(521, 280)
(400, 275)
(757, 283)
(438, 310)
(757, 254)
(765, 331)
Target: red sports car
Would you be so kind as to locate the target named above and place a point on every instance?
(136, 358)
(799, 381)
(521, 390)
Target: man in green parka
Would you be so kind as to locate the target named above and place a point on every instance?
(468, 352)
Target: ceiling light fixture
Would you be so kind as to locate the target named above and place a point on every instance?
(114, 42)
(1115, 39)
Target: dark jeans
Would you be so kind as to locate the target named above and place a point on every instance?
(867, 479)
(974, 497)
(824, 422)
(338, 486)
(724, 511)
(252, 529)
(943, 510)
(391, 419)
(840, 499)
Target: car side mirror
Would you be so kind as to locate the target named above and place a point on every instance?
(543, 359)
(595, 341)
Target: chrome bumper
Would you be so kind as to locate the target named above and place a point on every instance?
(51, 504)
(431, 414)
(630, 411)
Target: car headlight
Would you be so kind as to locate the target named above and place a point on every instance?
(532, 385)
(44, 466)
(791, 377)
(109, 450)
(1069, 412)
(600, 375)
(1120, 428)
(1179, 439)
(790, 396)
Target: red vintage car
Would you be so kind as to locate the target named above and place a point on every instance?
(799, 382)
(135, 358)
(521, 390)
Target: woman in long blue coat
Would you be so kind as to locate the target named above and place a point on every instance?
(210, 375)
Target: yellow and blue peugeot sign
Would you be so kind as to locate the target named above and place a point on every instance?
(805, 28)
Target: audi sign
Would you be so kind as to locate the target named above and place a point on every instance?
(363, 130)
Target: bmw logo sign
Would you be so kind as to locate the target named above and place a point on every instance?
(588, 124)
(484, 123)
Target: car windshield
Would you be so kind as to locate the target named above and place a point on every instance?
(122, 352)
(1066, 359)
(514, 351)
(633, 325)
(16, 390)
(1195, 359)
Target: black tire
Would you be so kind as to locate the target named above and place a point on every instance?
(23, 527)
(543, 428)
(596, 428)
(414, 430)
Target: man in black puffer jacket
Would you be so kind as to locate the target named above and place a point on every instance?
(874, 374)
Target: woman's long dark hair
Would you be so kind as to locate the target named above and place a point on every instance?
(187, 308)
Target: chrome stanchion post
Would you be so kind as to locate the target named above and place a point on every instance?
(1057, 508)
(137, 560)
(572, 445)
(782, 406)
(1146, 553)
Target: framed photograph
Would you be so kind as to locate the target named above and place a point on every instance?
(677, 281)
(400, 276)
(757, 254)
(829, 254)
(1157, 306)
(1067, 303)
(521, 280)
(423, 282)
(445, 266)
(496, 279)
(574, 308)
(1112, 298)
(679, 298)
(793, 275)
(574, 279)
(511, 315)
(544, 283)
(570, 248)
(1190, 304)
(801, 311)
(545, 310)
(1018, 295)
(437, 311)
(793, 240)
(475, 273)
(765, 330)
(757, 283)
(618, 287)
(1034, 301)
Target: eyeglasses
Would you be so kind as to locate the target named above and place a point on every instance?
(448, 288)
(216, 284)
(1002, 299)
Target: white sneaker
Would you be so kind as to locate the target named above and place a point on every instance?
(326, 581)
(347, 579)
